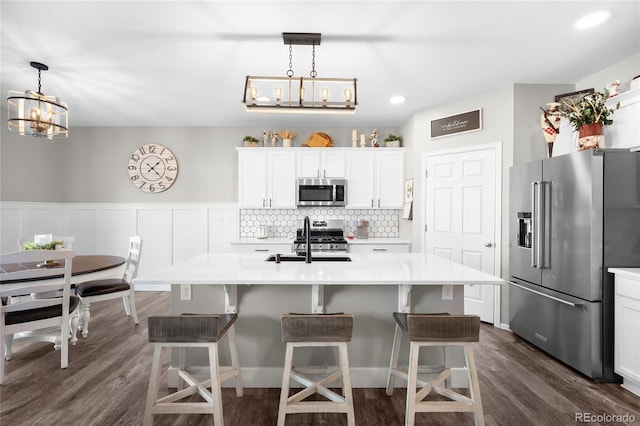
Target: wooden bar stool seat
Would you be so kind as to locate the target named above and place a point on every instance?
(436, 330)
(188, 331)
(325, 330)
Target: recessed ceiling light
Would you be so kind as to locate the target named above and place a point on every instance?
(397, 99)
(592, 19)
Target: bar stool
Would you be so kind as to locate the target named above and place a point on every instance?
(436, 330)
(188, 331)
(328, 330)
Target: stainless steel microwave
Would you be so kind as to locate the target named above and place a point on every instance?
(321, 192)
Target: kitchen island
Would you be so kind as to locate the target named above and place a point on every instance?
(369, 286)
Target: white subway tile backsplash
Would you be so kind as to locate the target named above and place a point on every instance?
(283, 222)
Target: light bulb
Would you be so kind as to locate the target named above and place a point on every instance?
(278, 94)
(254, 93)
(347, 95)
(302, 93)
(325, 94)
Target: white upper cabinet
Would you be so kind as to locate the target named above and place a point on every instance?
(390, 179)
(320, 163)
(375, 178)
(266, 179)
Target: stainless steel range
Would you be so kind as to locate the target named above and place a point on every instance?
(325, 236)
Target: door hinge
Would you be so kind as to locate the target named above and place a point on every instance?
(425, 228)
(426, 174)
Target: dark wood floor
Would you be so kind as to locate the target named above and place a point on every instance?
(106, 384)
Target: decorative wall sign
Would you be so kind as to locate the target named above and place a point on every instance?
(464, 122)
(574, 96)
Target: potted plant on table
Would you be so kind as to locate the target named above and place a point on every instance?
(392, 141)
(250, 141)
(588, 116)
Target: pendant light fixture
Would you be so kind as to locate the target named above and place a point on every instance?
(300, 94)
(35, 114)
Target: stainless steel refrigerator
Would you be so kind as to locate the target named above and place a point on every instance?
(571, 218)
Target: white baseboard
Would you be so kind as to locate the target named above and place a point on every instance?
(504, 326)
(271, 377)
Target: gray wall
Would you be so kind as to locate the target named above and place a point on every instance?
(91, 165)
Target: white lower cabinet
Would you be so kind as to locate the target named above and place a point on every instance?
(375, 247)
(627, 327)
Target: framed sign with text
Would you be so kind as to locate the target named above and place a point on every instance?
(464, 122)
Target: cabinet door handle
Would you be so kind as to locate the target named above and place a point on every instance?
(269, 202)
(379, 249)
(372, 202)
(318, 173)
(263, 202)
(324, 173)
(378, 202)
(260, 249)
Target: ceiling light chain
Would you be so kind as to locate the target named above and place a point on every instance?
(313, 72)
(290, 71)
(39, 82)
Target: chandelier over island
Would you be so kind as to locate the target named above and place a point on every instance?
(300, 94)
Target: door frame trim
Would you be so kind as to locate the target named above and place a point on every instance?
(496, 147)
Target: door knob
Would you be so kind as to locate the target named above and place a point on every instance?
(488, 244)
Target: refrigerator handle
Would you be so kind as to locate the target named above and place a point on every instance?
(573, 305)
(542, 223)
(534, 225)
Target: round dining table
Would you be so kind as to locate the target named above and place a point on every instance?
(83, 268)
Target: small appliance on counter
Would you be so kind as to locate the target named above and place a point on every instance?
(325, 236)
(362, 229)
(263, 231)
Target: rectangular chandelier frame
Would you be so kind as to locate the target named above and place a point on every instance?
(300, 95)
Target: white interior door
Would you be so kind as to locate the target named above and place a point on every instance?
(460, 217)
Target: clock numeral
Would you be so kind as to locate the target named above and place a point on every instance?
(162, 187)
(152, 188)
(162, 150)
(142, 151)
(133, 167)
(171, 168)
(170, 158)
(135, 157)
(152, 148)
(143, 183)
(169, 178)
(135, 177)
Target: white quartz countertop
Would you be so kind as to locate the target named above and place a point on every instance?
(626, 272)
(364, 269)
(374, 241)
(255, 240)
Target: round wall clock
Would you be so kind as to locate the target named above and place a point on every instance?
(153, 168)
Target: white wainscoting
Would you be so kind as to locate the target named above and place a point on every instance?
(171, 232)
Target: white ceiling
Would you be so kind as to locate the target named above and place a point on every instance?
(183, 63)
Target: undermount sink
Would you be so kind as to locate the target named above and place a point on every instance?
(295, 258)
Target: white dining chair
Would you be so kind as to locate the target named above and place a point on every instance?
(25, 319)
(111, 288)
